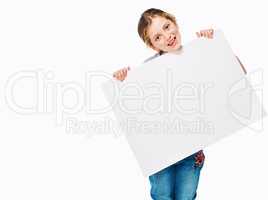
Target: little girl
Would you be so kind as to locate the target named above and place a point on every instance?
(159, 31)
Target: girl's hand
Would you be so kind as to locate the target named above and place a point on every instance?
(208, 33)
(121, 73)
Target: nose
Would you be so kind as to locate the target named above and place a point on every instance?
(169, 37)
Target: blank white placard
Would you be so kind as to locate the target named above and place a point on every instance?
(179, 103)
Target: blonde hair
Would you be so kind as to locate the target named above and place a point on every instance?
(146, 20)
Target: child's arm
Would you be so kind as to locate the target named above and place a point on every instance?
(208, 33)
(241, 65)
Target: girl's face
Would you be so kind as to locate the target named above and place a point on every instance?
(164, 35)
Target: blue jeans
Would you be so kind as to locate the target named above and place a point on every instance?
(178, 181)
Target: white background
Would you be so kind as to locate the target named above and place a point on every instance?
(40, 159)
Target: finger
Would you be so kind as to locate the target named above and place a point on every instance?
(207, 34)
(211, 32)
(204, 34)
(117, 75)
(124, 73)
(198, 34)
(121, 74)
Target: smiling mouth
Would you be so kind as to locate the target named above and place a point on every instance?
(172, 42)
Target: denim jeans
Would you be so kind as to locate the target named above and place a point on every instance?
(178, 181)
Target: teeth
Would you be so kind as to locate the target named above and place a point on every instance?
(172, 41)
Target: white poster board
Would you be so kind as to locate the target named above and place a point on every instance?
(177, 104)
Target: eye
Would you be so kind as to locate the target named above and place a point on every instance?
(167, 26)
(157, 38)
